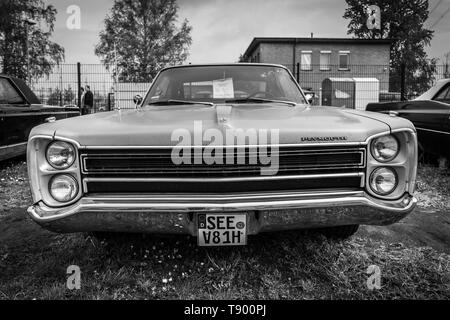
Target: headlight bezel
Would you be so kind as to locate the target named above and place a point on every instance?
(405, 164)
(40, 171)
(53, 165)
(75, 183)
(372, 148)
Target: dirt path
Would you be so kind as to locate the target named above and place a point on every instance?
(423, 228)
(16, 229)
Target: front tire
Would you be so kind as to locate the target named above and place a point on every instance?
(340, 233)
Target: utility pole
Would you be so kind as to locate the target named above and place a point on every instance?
(28, 23)
(116, 78)
(79, 85)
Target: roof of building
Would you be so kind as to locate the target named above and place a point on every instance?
(257, 41)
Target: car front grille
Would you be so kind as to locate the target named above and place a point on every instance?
(153, 171)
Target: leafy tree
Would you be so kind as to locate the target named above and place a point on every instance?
(68, 96)
(403, 22)
(43, 53)
(54, 97)
(141, 36)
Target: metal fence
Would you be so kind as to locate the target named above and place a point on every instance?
(363, 83)
(392, 87)
(62, 87)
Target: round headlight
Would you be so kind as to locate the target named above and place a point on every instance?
(60, 155)
(385, 149)
(383, 181)
(63, 188)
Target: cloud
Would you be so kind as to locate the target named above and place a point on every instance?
(223, 29)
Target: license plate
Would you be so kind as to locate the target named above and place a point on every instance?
(222, 230)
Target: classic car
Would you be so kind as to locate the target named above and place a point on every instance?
(430, 113)
(223, 168)
(20, 111)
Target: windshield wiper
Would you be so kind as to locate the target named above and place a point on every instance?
(261, 100)
(167, 102)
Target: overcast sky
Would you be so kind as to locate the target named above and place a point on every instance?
(223, 29)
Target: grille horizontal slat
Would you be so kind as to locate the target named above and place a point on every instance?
(126, 171)
(210, 187)
(157, 162)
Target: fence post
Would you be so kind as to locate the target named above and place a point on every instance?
(298, 72)
(402, 81)
(79, 85)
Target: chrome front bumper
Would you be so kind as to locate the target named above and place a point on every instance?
(177, 214)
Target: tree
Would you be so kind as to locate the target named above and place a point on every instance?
(141, 37)
(14, 33)
(69, 96)
(54, 97)
(402, 21)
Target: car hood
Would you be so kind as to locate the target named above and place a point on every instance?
(154, 126)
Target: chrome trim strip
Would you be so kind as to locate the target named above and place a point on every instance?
(299, 150)
(13, 145)
(434, 131)
(306, 145)
(219, 197)
(360, 175)
(37, 114)
(259, 178)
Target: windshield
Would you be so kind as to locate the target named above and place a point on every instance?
(225, 84)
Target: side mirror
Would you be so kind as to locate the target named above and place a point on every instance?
(137, 99)
(309, 97)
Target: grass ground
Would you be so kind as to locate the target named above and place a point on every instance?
(292, 265)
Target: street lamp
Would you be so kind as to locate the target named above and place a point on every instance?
(28, 24)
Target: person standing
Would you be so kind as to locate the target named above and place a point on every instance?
(89, 100)
(83, 108)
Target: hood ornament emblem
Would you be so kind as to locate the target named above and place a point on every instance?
(223, 114)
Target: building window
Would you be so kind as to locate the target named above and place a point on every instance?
(344, 60)
(325, 60)
(306, 61)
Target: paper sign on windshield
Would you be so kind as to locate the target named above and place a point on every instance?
(223, 89)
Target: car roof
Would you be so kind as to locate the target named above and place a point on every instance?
(434, 90)
(23, 89)
(226, 65)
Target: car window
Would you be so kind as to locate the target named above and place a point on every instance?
(447, 96)
(444, 94)
(161, 88)
(220, 84)
(8, 94)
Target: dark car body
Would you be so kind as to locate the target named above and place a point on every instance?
(430, 114)
(21, 111)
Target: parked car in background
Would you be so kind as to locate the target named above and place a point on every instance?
(166, 168)
(430, 114)
(20, 111)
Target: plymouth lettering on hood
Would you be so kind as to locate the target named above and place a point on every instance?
(324, 139)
